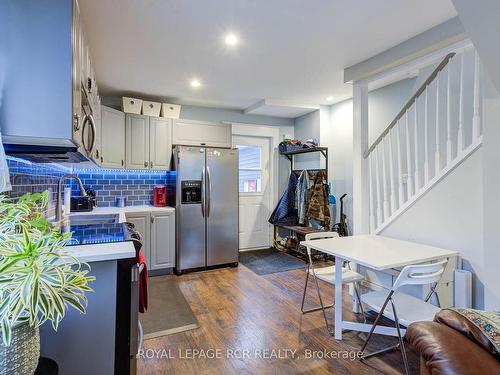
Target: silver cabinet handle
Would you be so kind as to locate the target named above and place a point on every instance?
(151, 164)
(94, 132)
(203, 192)
(209, 191)
(145, 164)
(76, 121)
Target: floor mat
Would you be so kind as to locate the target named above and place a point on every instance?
(168, 311)
(267, 261)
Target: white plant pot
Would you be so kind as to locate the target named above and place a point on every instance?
(21, 357)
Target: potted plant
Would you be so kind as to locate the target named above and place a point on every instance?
(38, 280)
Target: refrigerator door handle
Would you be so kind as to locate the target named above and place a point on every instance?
(209, 191)
(203, 192)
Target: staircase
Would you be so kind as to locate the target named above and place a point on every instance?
(438, 128)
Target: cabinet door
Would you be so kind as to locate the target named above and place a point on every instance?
(112, 138)
(137, 141)
(76, 39)
(160, 143)
(98, 124)
(162, 240)
(141, 222)
(201, 133)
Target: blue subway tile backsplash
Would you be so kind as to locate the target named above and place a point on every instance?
(28, 177)
(137, 186)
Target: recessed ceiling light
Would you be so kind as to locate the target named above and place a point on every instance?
(231, 39)
(195, 83)
(329, 98)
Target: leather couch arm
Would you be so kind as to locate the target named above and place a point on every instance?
(448, 352)
(463, 325)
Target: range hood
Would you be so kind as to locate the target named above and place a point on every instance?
(43, 150)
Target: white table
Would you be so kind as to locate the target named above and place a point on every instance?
(375, 252)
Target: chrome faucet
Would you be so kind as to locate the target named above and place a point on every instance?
(59, 193)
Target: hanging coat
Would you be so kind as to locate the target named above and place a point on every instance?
(302, 196)
(285, 212)
(319, 207)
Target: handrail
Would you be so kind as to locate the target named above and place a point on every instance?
(410, 102)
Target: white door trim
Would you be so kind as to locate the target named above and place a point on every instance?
(273, 133)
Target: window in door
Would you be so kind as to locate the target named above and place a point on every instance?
(250, 169)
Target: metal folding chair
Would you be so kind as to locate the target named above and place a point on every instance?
(327, 274)
(411, 309)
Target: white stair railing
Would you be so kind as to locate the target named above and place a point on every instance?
(446, 117)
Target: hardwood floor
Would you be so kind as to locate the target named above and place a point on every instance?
(237, 309)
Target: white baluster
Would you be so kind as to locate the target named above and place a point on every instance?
(378, 187)
(460, 135)
(417, 171)
(391, 173)
(448, 118)
(476, 119)
(384, 181)
(409, 181)
(372, 198)
(400, 167)
(437, 157)
(426, 138)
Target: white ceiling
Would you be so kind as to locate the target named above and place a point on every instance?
(290, 50)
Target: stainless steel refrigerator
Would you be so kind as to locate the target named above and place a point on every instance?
(206, 207)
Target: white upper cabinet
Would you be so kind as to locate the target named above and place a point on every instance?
(201, 133)
(112, 154)
(137, 141)
(160, 143)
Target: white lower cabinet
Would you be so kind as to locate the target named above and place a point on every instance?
(158, 236)
(142, 222)
(162, 240)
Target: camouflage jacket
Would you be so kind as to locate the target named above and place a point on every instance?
(319, 207)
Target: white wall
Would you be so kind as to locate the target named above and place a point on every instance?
(337, 136)
(306, 127)
(491, 195)
(480, 19)
(385, 103)
(451, 216)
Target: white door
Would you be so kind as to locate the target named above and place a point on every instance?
(255, 191)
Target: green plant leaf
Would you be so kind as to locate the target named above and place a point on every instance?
(39, 280)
